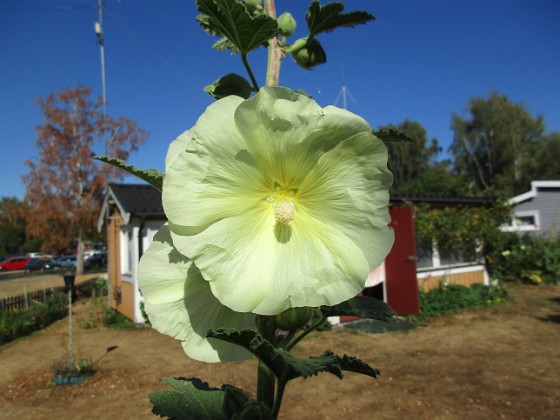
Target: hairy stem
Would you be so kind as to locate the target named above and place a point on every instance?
(265, 378)
(250, 72)
(274, 51)
(305, 333)
(279, 396)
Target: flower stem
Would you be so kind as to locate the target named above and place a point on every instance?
(265, 378)
(250, 72)
(279, 396)
(305, 333)
(274, 51)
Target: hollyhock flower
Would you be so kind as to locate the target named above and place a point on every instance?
(279, 203)
(179, 303)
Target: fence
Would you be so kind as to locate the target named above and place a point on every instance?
(88, 288)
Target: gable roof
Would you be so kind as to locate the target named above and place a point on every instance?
(133, 200)
(535, 186)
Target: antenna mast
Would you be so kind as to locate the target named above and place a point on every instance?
(100, 40)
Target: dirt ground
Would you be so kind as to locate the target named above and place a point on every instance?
(501, 362)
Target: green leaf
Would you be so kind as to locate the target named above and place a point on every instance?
(351, 364)
(392, 135)
(360, 306)
(285, 366)
(328, 17)
(231, 84)
(238, 406)
(232, 20)
(151, 176)
(189, 399)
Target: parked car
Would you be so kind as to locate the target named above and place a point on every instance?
(14, 263)
(70, 262)
(39, 264)
(41, 255)
(99, 259)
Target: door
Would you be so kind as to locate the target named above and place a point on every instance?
(401, 284)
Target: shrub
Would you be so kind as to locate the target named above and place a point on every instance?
(454, 298)
(527, 258)
(101, 288)
(114, 319)
(20, 323)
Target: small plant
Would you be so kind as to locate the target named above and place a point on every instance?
(101, 288)
(116, 320)
(64, 370)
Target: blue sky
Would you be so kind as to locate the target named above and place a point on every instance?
(421, 60)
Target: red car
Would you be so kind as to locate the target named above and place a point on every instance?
(14, 263)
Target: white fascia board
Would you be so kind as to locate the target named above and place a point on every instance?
(533, 193)
(101, 220)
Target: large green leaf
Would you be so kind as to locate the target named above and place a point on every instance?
(284, 365)
(231, 20)
(189, 399)
(360, 306)
(230, 84)
(151, 176)
(352, 364)
(328, 17)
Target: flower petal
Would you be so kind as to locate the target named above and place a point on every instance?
(179, 303)
(176, 147)
(287, 132)
(202, 184)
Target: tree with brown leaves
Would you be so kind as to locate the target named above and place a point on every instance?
(65, 186)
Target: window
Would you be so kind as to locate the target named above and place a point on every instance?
(424, 253)
(523, 221)
(430, 255)
(127, 251)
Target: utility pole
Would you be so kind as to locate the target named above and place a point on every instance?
(99, 32)
(101, 41)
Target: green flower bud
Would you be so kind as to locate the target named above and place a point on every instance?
(311, 55)
(287, 24)
(254, 6)
(293, 318)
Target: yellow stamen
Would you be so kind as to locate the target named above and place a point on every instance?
(284, 211)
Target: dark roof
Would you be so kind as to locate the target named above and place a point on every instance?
(143, 200)
(442, 200)
(140, 200)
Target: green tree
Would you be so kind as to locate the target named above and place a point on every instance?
(65, 186)
(494, 147)
(414, 164)
(544, 158)
(12, 226)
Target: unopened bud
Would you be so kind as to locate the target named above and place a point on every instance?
(293, 318)
(311, 55)
(287, 24)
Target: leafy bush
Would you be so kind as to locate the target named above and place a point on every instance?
(454, 298)
(101, 288)
(114, 319)
(527, 258)
(20, 323)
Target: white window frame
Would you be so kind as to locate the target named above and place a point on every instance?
(515, 226)
(128, 253)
